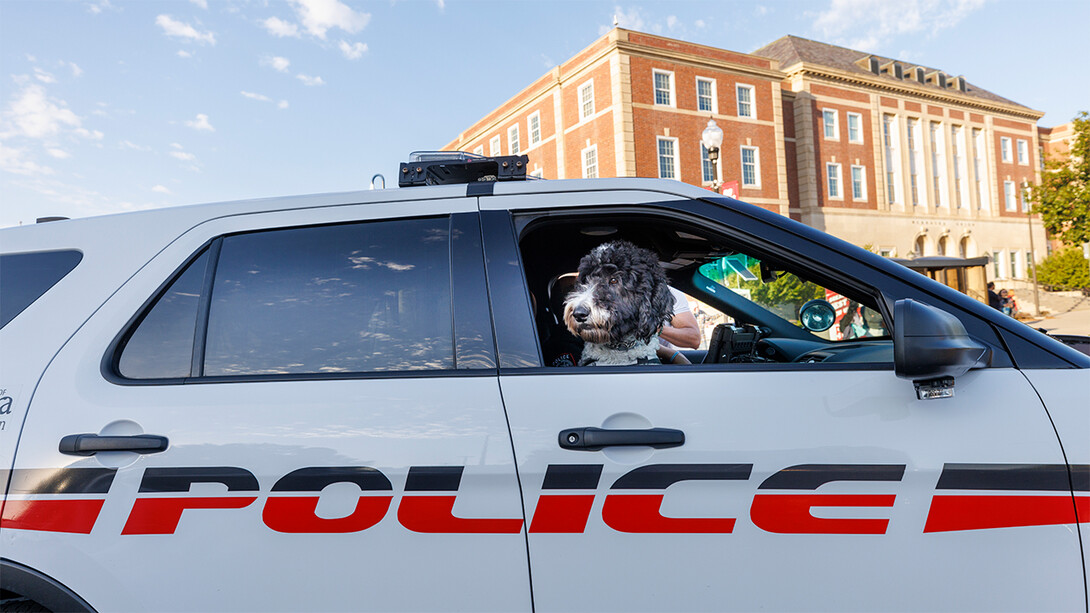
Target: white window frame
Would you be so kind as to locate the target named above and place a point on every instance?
(715, 95)
(825, 125)
(752, 100)
(1010, 202)
(718, 168)
(859, 121)
(980, 170)
(916, 167)
(839, 195)
(538, 172)
(862, 182)
(1005, 149)
(514, 147)
(1012, 262)
(479, 150)
(1022, 148)
(535, 135)
(672, 92)
(756, 166)
(1022, 199)
(583, 157)
(937, 138)
(673, 157)
(494, 145)
(891, 157)
(584, 114)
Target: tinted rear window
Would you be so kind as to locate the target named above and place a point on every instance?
(25, 277)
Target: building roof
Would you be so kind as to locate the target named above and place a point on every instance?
(792, 50)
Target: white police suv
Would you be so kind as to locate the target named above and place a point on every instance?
(348, 402)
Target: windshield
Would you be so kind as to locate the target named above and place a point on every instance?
(784, 294)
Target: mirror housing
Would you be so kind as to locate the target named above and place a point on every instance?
(930, 344)
(817, 315)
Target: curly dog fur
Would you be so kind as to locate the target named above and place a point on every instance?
(619, 305)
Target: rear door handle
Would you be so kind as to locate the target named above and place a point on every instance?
(593, 439)
(90, 444)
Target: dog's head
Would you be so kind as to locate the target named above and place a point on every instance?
(621, 295)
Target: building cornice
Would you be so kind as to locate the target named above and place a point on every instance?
(655, 53)
(819, 72)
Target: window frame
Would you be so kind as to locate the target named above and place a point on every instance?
(674, 156)
(738, 87)
(714, 95)
(531, 119)
(1022, 151)
(756, 166)
(862, 182)
(1005, 150)
(583, 161)
(584, 114)
(514, 146)
(825, 114)
(829, 183)
(494, 145)
(1010, 201)
(671, 90)
(859, 120)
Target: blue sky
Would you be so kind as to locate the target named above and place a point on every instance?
(111, 105)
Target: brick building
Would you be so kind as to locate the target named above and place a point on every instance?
(904, 158)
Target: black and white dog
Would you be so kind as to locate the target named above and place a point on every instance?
(619, 305)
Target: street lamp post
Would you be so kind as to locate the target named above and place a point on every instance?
(712, 138)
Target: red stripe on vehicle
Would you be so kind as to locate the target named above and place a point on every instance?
(639, 513)
(952, 513)
(790, 513)
(435, 515)
(161, 515)
(562, 514)
(296, 514)
(74, 516)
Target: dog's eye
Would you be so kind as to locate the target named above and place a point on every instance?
(613, 281)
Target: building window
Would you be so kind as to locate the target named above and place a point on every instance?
(859, 183)
(667, 158)
(513, 139)
(920, 247)
(855, 128)
(707, 174)
(956, 134)
(1041, 157)
(938, 164)
(978, 165)
(1022, 197)
(914, 159)
(832, 177)
(745, 100)
(586, 100)
(1015, 274)
(538, 173)
(590, 162)
(1029, 264)
(1008, 196)
(535, 128)
(479, 150)
(751, 167)
(942, 246)
(705, 95)
(829, 120)
(664, 88)
(494, 146)
(1005, 148)
(1023, 152)
(893, 157)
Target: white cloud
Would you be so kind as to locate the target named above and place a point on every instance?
(76, 70)
(442, 4)
(672, 22)
(253, 96)
(278, 63)
(281, 28)
(44, 76)
(176, 146)
(868, 24)
(128, 144)
(33, 114)
(160, 189)
(60, 154)
(179, 29)
(200, 123)
(352, 51)
(183, 53)
(320, 16)
(283, 104)
(98, 7)
(201, 3)
(12, 160)
(183, 156)
(91, 134)
(310, 81)
(700, 24)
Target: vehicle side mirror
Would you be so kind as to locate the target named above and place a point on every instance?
(817, 315)
(931, 348)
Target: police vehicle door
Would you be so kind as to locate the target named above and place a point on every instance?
(798, 486)
(335, 442)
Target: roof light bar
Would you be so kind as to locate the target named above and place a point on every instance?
(453, 167)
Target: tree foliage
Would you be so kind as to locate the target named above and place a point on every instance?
(1063, 198)
(786, 289)
(1065, 270)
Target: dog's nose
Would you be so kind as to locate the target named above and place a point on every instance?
(580, 313)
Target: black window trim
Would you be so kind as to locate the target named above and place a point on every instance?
(465, 310)
(74, 265)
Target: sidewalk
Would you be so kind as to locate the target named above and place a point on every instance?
(1071, 322)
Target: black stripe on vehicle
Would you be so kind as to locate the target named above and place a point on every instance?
(1080, 477)
(572, 477)
(315, 478)
(661, 476)
(433, 478)
(178, 479)
(1035, 477)
(26, 481)
(813, 476)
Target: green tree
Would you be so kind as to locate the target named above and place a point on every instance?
(1065, 270)
(1063, 198)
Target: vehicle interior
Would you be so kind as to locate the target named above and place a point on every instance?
(750, 309)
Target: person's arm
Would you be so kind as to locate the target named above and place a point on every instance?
(671, 355)
(683, 331)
